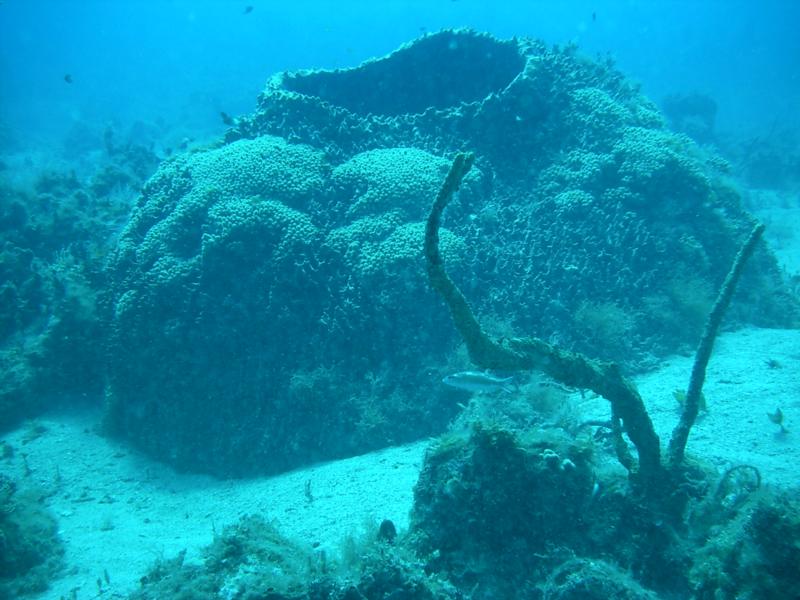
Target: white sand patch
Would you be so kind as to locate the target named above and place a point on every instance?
(741, 388)
(119, 511)
(780, 213)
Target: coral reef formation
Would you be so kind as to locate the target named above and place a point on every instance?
(266, 276)
(57, 229)
(563, 142)
(269, 304)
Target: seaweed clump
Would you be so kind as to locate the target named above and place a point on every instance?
(253, 560)
(753, 553)
(521, 513)
(30, 549)
(250, 555)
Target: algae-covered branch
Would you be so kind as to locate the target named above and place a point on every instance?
(574, 369)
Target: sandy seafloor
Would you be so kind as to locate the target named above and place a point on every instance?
(119, 511)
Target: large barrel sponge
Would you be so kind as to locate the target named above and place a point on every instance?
(587, 198)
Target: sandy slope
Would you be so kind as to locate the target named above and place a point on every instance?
(741, 388)
(779, 213)
(119, 511)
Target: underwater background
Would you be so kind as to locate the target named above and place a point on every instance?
(181, 63)
(399, 299)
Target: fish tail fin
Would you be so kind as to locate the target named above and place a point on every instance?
(509, 385)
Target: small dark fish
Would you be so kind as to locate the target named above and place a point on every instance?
(777, 418)
(68, 78)
(248, 9)
(227, 119)
(387, 532)
(594, 16)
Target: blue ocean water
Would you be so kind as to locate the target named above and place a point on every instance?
(181, 62)
(221, 321)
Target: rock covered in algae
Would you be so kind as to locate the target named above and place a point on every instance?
(31, 551)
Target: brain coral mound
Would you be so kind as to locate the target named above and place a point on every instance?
(270, 302)
(390, 179)
(213, 261)
(381, 247)
(243, 290)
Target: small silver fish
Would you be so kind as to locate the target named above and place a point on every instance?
(478, 382)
